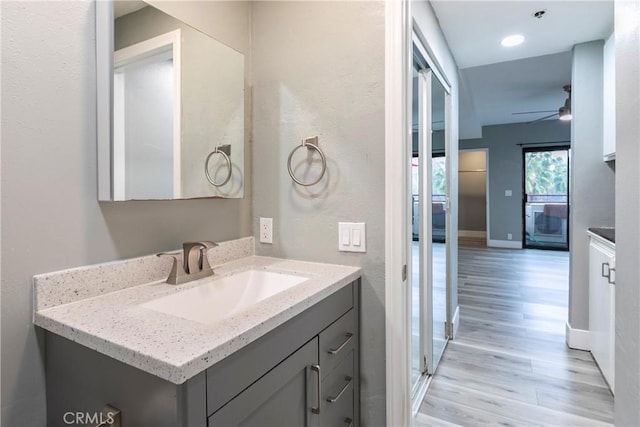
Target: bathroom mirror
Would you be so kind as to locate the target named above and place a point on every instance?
(170, 106)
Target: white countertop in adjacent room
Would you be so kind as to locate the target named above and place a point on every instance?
(177, 349)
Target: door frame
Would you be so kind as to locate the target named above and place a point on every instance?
(539, 149)
(398, 70)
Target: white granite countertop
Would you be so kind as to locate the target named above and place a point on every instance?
(177, 349)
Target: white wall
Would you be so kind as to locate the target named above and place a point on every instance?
(318, 69)
(627, 36)
(51, 219)
(592, 180)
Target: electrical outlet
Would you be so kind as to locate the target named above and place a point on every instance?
(509, 236)
(266, 230)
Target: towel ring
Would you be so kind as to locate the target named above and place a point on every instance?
(225, 151)
(311, 144)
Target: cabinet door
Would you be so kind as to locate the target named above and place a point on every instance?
(283, 397)
(602, 310)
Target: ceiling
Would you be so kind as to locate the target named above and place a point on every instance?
(496, 81)
(125, 7)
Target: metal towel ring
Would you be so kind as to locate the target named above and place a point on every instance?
(225, 151)
(311, 144)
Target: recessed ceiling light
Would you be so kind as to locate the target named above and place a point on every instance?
(513, 40)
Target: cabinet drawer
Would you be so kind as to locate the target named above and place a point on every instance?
(337, 408)
(337, 341)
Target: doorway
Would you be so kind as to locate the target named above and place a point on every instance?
(546, 197)
(146, 84)
(473, 202)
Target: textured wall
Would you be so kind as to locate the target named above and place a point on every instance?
(627, 22)
(592, 180)
(505, 168)
(50, 215)
(318, 69)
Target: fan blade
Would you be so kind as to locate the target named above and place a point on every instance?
(533, 112)
(543, 118)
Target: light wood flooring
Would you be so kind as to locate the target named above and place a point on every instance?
(509, 364)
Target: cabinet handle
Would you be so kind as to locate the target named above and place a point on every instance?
(348, 422)
(611, 281)
(349, 336)
(608, 270)
(316, 369)
(334, 399)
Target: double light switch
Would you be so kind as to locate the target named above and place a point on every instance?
(352, 237)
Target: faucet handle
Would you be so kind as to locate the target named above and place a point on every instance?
(193, 261)
(176, 270)
(204, 261)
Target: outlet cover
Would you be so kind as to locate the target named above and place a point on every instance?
(509, 236)
(266, 230)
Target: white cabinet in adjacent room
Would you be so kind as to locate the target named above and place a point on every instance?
(602, 305)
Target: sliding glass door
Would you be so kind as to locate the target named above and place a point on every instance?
(546, 197)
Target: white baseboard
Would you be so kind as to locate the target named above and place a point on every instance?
(577, 338)
(509, 244)
(472, 233)
(455, 322)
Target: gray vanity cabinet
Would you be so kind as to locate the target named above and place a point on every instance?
(303, 373)
(282, 397)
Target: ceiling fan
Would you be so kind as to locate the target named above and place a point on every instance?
(563, 113)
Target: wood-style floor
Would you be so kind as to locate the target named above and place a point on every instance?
(509, 364)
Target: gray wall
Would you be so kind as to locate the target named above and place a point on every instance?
(309, 79)
(627, 410)
(505, 168)
(472, 191)
(592, 180)
(50, 217)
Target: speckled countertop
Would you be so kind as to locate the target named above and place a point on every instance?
(176, 349)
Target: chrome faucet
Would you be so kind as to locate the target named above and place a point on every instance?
(190, 264)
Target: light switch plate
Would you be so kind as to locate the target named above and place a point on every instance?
(508, 193)
(352, 237)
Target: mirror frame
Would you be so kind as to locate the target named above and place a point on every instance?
(104, 96)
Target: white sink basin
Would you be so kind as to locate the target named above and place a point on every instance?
(221, 297)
